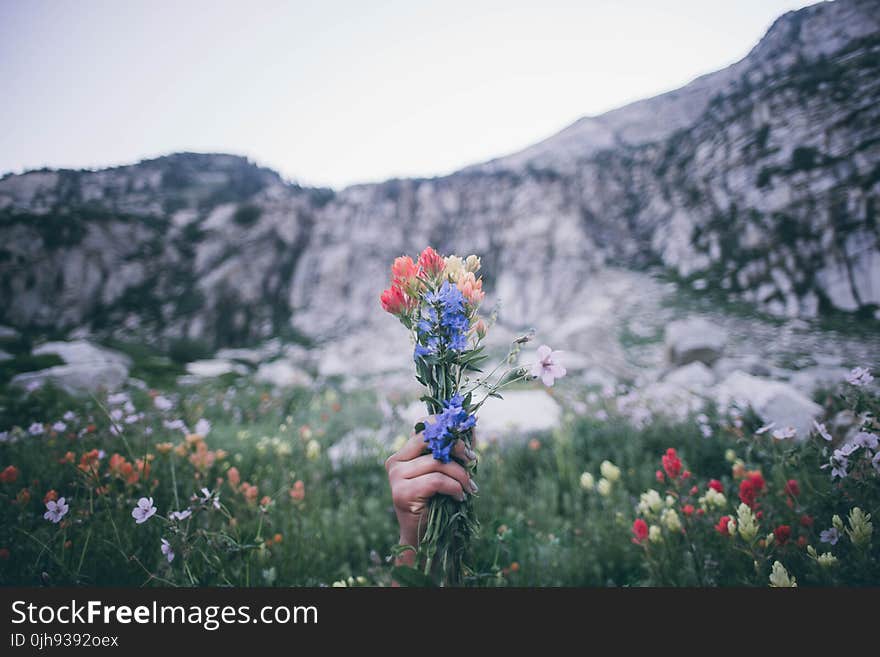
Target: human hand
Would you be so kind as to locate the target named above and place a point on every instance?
(416, 476)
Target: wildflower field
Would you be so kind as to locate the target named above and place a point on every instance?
(233, 484)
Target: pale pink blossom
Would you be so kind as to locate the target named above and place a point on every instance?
(548, 368)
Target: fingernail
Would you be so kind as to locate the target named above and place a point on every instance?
(471, 454)
(473, 485)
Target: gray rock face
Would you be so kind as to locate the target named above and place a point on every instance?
(213, 367)
(759, 182)
(694, 340)
(82, 352)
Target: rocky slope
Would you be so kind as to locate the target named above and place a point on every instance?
(760, 182)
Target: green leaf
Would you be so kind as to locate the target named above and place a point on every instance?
(409, 576)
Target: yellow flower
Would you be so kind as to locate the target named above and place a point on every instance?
(604, 487)
(860, 527)
(779, 577)
(453, 267)
(731, 527)
(164, 448)
(472, 263)
(313, 450)
(670, 520)
(748, 524)
(610, 471)
(837, 522)
(730, 456)
(587, 481)
(826, 560)
(670, 501)
(713, 499)
(654, 534)
(650, 502)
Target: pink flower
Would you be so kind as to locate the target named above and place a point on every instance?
(471, 288)
(548, 368)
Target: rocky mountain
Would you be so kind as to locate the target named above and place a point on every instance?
(758, 183)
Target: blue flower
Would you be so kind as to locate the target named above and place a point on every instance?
(442, 433)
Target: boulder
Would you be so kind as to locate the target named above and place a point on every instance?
(694, 339)
(8, 333)
(214, 367)
(810, 379)
(773, 401)
(77, 378)
(252, 356)
(5, 355)
(79, 352)
(694, 376)
(282, 374)
(521, 411)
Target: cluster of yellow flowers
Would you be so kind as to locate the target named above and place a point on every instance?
(610, 474)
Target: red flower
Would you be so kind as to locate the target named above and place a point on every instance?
(782, 534)
(659, 476)
(701, 512)
(687, 509)
(792, 488)
(806, 521)
(640, 531)
(50, 496)
(694, 490)
(9, 475)
(747, 493)
(715, 485)
(759, 515)
(403, 270)
(686, 474)
(721, 527)
(393, 300)
(4, 553)
(671, 464)
(802, 541)
(757, 480)
(431, 261)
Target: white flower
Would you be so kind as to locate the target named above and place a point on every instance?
(729, 456)
(604, 487)
(670, 520)
(821, 430)
(69, 416)
(59, 427)
(765, 428)
(313, 450)
(779, 577)
(610, 471)
(116, 414)
(167, 550)
(203, 427)
(128, 407)
(181, 515)
(144, 510)
(713, 499)
(859, 376)
(650, 502)
(587, 481)
(36, 429)
(176, 424)
(785, 434)
(118, 398)
(547, 368)
(654, 534)
(162, 403)
(867, 440)
(208, 496)
(55, 511)
(748, 523)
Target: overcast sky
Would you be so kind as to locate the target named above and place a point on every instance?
(331, 92)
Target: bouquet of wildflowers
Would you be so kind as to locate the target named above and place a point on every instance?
(438, 300)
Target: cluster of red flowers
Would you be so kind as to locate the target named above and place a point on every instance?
(404, 276)
(672, 468)
(9, 475)
(750, 487)
(640, 531)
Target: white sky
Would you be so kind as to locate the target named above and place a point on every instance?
(330, 92)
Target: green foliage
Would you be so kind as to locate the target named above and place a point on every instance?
(541, 525)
